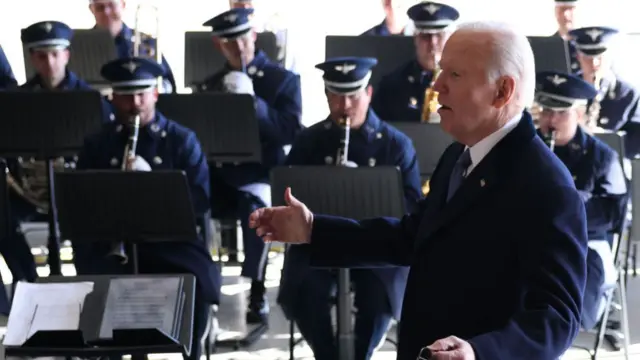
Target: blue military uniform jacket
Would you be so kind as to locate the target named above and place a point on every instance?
(619, 111)
(475, 273)
(278, 103)
(375, 143)
(71, 82)
(7, 79)
(124, 45)
(598, 176)
(400, 94)
(164, 144)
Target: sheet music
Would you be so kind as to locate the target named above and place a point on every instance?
(50, 306)
(141, 303)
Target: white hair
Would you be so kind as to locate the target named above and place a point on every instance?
(511, 56)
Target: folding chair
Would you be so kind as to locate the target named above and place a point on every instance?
(621, 234)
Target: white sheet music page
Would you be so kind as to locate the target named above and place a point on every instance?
(45, 306)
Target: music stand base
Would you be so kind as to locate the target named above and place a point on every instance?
(248, 340)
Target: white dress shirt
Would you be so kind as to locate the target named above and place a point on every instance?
(482, 147)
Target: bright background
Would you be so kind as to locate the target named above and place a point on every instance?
(308, 21)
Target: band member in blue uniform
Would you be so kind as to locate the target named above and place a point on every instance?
(615, 107)
(395, 21)
(240, 189)
(400, 96)
(48, 44)
(162, 144)
(305, 292)
(7, 79)
(565, 12)
(597, 172)
(108, 15)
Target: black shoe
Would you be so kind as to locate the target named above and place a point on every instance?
(258, 310)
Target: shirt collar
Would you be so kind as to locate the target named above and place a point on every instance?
(484, 146)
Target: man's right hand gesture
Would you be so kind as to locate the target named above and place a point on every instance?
(288, 224)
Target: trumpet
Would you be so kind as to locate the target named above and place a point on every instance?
(143, 43)
(430, 104)
(118, 249)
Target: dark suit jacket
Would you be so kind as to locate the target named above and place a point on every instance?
(502, 265)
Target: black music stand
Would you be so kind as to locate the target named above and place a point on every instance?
(4, 202)
(48, 125)
(84, 343)
(429, 140)
(90, 49)
(115, 206)
(551, 53)
(391, 51)
(202, 59)
(346, 192)
(225, 124)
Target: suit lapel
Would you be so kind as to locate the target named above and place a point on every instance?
(486, 175)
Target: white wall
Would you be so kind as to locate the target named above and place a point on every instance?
(308, 20)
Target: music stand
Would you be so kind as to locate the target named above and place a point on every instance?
(4, 202)
(429, 140)
(346, 192)
(202, 59)
(551, 53)
(85, 342)
(225, 124)
(115, 206)
(391, 51)
(47, 125)
(89, 50)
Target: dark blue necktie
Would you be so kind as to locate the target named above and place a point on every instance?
(458, 173)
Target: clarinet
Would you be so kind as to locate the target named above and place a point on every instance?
(550, 139)
(119, 250)
(342, 155)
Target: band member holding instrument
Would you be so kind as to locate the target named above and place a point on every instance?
(598, 175)
(241, 188)
(48, 44)
(108, 15)
(395, 21)
(161, 144)
(565, 12)
(7, 79)
(615, 107)
(407, 94)
(305, 292)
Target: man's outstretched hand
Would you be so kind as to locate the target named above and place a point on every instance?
(288, 224)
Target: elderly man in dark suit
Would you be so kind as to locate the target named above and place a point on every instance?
(497, 249)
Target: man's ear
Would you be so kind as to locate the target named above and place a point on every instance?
(216, 42)
(505, 91)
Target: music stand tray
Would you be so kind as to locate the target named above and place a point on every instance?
(225, 124)
(47, 125)
(114, 206)
(550, 53)
(430, 142)
(84, 342)
(357, 193)
(202, 59)
(391, 51)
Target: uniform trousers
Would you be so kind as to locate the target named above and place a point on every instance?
(229, 201)
(312, 312)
